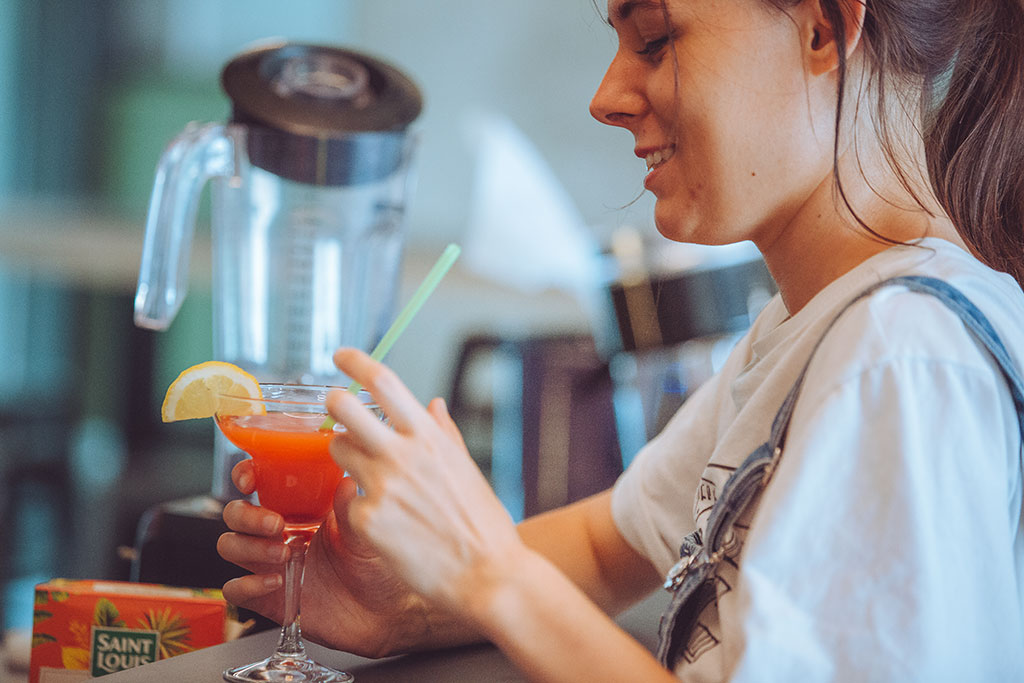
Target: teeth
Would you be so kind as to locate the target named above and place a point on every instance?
(659, 157)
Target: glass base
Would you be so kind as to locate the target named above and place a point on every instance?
(280, 669)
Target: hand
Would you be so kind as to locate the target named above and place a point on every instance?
(426, 507)
(350, 599)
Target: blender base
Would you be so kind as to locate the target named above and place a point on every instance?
(176, 545)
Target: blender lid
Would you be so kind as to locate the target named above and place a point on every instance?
(319, 114)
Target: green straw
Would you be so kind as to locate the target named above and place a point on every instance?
(426, 288)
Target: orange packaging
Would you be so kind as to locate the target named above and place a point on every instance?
(84, 629)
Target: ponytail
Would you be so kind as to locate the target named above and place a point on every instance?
(968, 56)
(974, 133)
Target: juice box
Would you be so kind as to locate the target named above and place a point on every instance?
(84, 629)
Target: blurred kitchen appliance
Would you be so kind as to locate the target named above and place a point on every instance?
(308, 187)
(552, 418)
(676, 311)
(537, 415)
(309, 180)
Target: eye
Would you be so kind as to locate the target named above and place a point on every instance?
(652, 48)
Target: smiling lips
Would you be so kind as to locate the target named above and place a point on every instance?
(655, 159)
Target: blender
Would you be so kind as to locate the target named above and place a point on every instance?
(308, 185)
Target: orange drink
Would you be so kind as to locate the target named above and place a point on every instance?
(295, 475)
(284, 428)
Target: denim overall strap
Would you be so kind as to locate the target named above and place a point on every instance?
(973, 319)
(692, 580)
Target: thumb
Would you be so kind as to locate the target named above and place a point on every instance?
(346, 493)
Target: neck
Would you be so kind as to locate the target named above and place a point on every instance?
(823, 240)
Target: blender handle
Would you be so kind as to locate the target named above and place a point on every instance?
(200, 152)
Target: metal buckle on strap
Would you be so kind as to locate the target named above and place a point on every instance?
(674, 578)
(769, 468)
(676, 575)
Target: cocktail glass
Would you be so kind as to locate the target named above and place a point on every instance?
(295, 477)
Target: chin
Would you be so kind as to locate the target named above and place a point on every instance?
(693, 227)
(681, 228)
(669, 226)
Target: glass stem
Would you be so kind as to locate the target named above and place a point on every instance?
(290, 643)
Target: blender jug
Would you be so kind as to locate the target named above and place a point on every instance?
(308, 186)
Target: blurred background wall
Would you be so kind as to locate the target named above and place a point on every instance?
(91, 92)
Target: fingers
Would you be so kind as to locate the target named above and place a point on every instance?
(254, 591)
(387, 389)
(349, 412)
(256, 544)
(244, 477)
(439, 411)
(252, 553)
(348, 454)
(247, 518)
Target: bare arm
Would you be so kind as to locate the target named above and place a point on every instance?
(579, 541)
(544, 624)
(583, 542)
(431, 515)
(577, 553)
(428, 556)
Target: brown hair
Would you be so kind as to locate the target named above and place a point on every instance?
(968, 56)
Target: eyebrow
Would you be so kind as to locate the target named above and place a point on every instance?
(623, 11)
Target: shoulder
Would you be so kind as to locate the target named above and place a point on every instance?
(901, 382)
(895, 324)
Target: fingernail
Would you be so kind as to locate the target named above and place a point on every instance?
(273, 581)
(245, 482)
(270, 524)
(278, 553)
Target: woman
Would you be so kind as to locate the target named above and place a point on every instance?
(851, 141)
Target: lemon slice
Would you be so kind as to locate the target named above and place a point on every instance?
(193, 394)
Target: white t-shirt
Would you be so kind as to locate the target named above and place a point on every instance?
(888, 545)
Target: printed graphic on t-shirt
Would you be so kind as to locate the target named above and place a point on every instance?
(707, 633)
(705, 498)
(707, 491)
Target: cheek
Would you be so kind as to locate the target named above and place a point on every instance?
(717, 194)
(756, 144)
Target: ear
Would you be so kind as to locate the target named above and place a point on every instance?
(819, 39)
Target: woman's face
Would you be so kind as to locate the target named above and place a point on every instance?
(735, 135)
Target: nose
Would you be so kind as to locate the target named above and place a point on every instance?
(618, 102)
